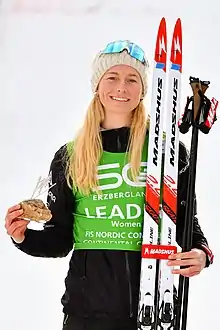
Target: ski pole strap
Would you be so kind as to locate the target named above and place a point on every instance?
(203, 111)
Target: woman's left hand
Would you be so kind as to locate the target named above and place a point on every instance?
(194, 261)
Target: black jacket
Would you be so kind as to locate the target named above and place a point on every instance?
(99, 282)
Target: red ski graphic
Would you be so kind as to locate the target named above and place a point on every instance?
(176, 48)
(160, 56)
(170, 197)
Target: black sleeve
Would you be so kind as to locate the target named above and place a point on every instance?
(56, 239)
(199, 240)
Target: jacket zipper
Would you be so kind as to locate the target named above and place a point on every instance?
(129, 283)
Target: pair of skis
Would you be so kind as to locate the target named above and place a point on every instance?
(156, 305)
(156, 310)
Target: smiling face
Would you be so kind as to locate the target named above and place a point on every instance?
(120, 90)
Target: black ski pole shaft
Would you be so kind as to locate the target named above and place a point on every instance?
(179, 303)
(201, 117)
(192, 168)
(156, 297)
(197, 105)
(190, 119)
(182, 278)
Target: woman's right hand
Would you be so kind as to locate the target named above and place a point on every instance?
(15, 227)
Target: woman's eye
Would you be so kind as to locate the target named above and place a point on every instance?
(111, 78)
(132, 80)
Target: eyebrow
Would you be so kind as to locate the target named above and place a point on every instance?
(130, 75)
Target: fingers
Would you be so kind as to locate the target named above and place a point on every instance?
(187, 272)
(12, 214)
(14, 208)
(191, 263)
(17, 228)
(192, 274)
(184, 262)
(13, 225)
(183, 255)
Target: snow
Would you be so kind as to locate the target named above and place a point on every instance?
(46, 49)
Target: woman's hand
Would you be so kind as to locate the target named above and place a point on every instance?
(15, 227)
(193, 261)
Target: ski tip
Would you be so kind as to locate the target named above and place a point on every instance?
(160, 56)
(176, 48)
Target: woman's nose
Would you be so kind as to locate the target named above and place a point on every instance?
(121, 88)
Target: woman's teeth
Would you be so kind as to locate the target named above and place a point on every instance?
(119, 99)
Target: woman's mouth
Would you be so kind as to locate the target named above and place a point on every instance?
(120, 99)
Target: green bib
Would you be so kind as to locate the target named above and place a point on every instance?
(114, 219)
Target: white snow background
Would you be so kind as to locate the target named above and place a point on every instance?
(46, 50)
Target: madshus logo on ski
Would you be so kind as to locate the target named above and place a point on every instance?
(160, 59)
(157, 251)
(157, 126)
(173, 138)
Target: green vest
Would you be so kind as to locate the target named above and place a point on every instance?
(114, 219)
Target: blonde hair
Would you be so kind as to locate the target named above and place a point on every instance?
(85, 153)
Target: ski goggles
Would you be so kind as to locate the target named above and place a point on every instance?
(133, 50)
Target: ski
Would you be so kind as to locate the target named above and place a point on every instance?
(148, 295)
(156, 306)
(166, 315)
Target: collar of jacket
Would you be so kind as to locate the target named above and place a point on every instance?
(116, 140)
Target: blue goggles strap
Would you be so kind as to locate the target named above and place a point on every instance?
(132, 49)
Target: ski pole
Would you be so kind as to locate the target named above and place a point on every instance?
(201, 116)
(188, 225)
(197, 105)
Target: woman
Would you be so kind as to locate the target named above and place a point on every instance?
(102, 284)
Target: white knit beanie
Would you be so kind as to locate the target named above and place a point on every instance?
(104, 62)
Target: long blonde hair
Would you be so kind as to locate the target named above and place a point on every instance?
(82, 161)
